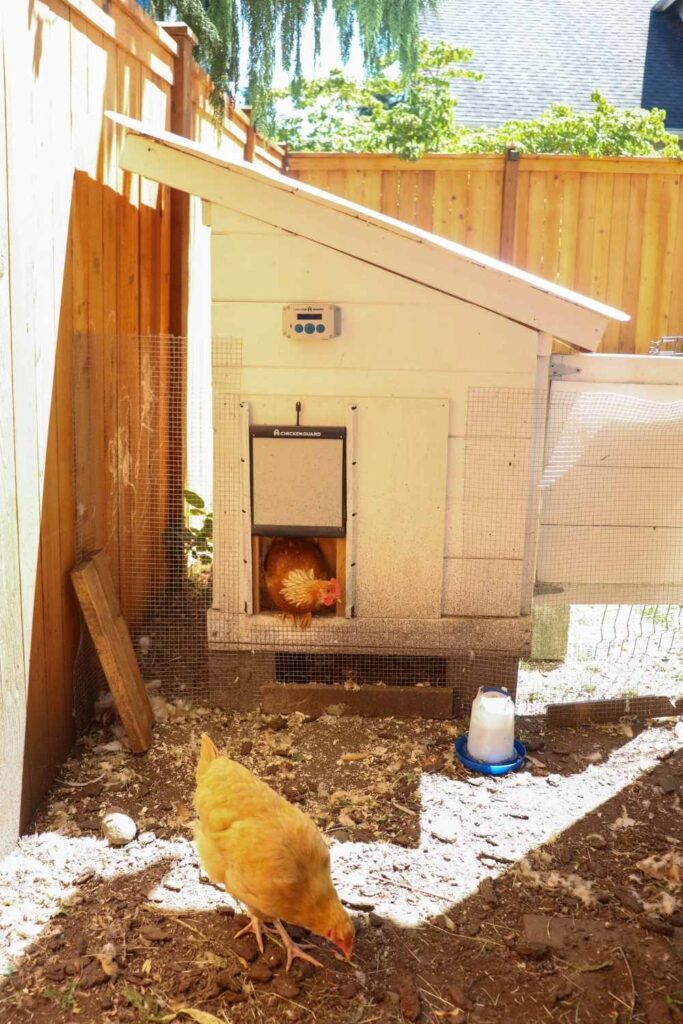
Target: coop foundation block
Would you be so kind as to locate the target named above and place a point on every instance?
(236, 678)
(550, 632)
(465, 674)
(367, 701)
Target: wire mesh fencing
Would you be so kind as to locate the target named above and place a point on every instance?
(589, 488)
(609, 585)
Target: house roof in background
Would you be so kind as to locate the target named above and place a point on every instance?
(537, 52)
(373, 238)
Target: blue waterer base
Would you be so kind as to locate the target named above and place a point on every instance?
(489, 769)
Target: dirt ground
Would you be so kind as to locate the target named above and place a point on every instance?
(550, 895)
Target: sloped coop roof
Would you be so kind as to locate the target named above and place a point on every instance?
(373, 238)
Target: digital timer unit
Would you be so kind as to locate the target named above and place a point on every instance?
(317, 320)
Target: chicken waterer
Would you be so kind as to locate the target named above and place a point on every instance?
(490, 747)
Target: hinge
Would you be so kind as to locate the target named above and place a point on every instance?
(558, 369)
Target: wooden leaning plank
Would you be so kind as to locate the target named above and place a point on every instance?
(95, 590)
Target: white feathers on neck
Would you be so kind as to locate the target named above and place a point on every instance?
(296, 588)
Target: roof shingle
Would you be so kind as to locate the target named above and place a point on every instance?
(537, 52)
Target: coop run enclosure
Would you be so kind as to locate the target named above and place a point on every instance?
(606, 608)
(387, 401)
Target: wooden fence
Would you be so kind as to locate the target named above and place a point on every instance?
(93, 263)
(610, 228)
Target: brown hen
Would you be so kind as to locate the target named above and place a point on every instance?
(296, 579)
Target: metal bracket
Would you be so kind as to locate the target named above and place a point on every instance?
(668, 345)
(558, 369)
(547, 588)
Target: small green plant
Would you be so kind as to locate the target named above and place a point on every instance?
(629, 693)
(589, 688)
(675, 999)
(198, 531)
(657, 615)
(65, 997)
(148, 1008)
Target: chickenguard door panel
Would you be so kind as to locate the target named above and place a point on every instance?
(298, 481)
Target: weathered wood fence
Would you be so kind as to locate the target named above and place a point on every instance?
(610, 228)
(93, 263)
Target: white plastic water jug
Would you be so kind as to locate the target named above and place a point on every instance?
(491, 738)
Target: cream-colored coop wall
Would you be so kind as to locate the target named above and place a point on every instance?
(410, 359)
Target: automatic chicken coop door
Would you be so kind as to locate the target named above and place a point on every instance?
(298, 489)
(298, 481)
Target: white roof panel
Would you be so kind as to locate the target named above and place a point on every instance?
(397, 247)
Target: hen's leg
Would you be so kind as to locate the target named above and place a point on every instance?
(293, 951)
(256, 930)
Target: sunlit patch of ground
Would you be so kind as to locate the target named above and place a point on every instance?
(447, 875)
(613, 651)
(469, 828)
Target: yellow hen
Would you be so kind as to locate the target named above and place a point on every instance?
(267, 853)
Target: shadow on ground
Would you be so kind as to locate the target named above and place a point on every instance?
(580, 931)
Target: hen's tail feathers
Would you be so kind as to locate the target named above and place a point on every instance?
(207, 754)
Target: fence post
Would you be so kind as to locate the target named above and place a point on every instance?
(250, 144)
(509, 208)
(182, 123)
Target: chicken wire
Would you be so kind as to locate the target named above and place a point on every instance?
(609, 585)
(152, 508)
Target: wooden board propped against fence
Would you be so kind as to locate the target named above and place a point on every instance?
(96, 593)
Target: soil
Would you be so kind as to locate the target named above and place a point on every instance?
(529, 898)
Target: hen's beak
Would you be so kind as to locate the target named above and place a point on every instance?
(347, 949)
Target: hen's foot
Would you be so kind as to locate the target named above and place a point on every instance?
(255, 928)
(304, 621)
(292, 950)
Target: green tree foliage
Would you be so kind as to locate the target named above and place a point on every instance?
(407, 113)
(605, 131)
(262, 26)
(413, 112)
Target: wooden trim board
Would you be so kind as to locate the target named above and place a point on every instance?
(368, 701)
(599, 711)
(326, 634)
(97, 596)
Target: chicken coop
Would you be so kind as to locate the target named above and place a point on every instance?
(380, 393)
